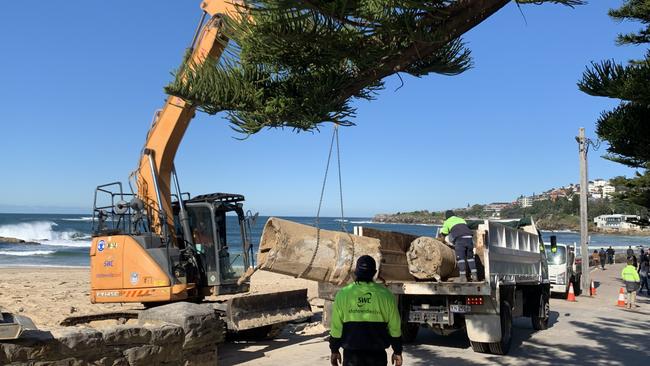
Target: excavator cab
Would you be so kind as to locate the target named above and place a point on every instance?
(220, 239)
(126, 255)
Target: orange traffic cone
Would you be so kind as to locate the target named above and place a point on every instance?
(572, 295)
(592, 289)
(621, 298)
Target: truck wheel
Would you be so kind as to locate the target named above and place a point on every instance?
(541, 322)
(502, 347)
(409, 332)
(480, 347)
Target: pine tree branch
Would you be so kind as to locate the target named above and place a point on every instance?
(609, 79)
(300, 63)
(627, 131)
(463, 16)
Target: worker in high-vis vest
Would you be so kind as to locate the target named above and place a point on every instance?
(632, 280)
(365, 321)
(457, 232)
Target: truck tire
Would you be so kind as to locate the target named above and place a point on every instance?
(541, 322)
(409, 332)
(503, 346)
(480, 347)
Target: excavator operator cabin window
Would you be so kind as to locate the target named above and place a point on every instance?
(203, 236)
(229, 236)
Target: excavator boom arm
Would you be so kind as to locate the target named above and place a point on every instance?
(153, 175)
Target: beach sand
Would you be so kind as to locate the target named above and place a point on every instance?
(49, 295)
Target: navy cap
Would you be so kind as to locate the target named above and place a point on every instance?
(366, 268)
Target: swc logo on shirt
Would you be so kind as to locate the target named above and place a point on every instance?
(365, 299)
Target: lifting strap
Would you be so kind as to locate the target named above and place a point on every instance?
(335, 138)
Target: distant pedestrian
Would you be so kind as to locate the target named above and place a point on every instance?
(643, 257)
(644, 268)
(595, 258)
(602, 256)
(631, 279)
(610, 255)
(630, 251)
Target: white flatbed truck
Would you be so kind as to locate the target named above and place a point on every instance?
(515, 283)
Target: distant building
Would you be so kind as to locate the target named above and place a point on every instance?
(600, 188)
(616, 221)
(558, 193)
(540, 197)
(496, 207)
(525, 201)
(608, 190)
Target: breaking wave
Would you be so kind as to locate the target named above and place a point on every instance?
(364, 222)
(27, 253)
(45, 265)
(43, 232)
(355, 221)
(85, 218)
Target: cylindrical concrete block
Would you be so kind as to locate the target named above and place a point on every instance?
(321, 255)
(429, 258)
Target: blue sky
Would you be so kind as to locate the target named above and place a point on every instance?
(80, 82)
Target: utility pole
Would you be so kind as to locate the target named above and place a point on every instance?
(583, 147)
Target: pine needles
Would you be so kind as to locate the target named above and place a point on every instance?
(299, 64)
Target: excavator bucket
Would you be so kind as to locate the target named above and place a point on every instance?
(255, 311)
(11, 326)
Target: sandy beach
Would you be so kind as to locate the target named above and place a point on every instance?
(49, 295)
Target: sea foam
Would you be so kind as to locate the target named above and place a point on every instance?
(27, 252)
(85, 218)
(43, 232)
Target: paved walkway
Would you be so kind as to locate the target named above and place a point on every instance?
(591, 331)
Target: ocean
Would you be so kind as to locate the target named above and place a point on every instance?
(64, 240)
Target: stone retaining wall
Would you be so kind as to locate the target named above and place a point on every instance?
(175, 334)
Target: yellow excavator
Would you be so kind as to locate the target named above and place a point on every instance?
(153, 245)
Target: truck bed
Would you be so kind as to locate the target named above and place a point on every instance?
(506, 256)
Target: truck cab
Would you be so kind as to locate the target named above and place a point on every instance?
(563, 268)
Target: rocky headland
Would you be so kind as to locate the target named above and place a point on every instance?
(549, 222)
(7, 240)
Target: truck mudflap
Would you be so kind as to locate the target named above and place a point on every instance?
(259, 310)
